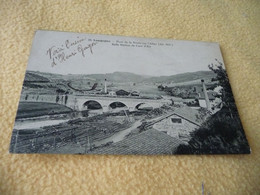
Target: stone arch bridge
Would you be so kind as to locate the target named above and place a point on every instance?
(79, 102)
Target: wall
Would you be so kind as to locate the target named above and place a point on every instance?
(174, 129)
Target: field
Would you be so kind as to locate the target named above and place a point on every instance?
(81, 135)
(77, 132)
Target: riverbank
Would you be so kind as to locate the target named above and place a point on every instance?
(37, 109)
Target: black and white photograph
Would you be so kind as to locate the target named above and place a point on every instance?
(102, 94)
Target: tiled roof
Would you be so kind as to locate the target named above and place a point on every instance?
(189, 114)
(211, 95)
(147, 142)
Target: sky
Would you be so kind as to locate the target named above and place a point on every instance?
(74, 53)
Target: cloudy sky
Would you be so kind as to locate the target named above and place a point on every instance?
(73, 53)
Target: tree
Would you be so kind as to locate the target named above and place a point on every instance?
(222, 132)
(160, 87)
(226, 92)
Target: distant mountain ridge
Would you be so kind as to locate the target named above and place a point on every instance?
(119, 77)
(127, 77)
(31, 77)
(184, 77)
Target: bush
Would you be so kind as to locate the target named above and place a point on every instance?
(221, 133)
(218, 135)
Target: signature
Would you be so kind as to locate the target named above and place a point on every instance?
(69, 49)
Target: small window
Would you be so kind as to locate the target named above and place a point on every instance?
(176, 120)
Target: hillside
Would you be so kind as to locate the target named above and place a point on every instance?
(120, 77)
(31, 77)
(113, 77)
(131, 77)
(184, 77)
(46, 75)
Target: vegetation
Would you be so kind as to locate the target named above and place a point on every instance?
(69, 135)
(186, 91)
(222, 132)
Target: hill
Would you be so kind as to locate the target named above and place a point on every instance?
(32, 77)
(184, 77)
(113, 77)
(131, 77)
(123, 77)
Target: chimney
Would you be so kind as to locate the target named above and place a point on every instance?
(105, 85)
(205, 94)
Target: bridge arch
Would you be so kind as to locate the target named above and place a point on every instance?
(92, 105)
(91, 108)
(117, 105)
(143, 106)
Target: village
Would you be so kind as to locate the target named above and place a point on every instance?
(109, 117)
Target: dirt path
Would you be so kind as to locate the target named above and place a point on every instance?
(120, 135)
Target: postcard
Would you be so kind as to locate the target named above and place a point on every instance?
(102, 94)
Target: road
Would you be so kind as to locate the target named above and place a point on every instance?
(119, 135)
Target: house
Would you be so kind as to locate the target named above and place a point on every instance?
(180, 123)
(112, 93)
(122, 92)
(135, 93)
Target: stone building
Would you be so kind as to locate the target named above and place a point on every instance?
(180, 124)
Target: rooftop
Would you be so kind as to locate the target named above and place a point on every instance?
(190, 114)
(146, 143)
